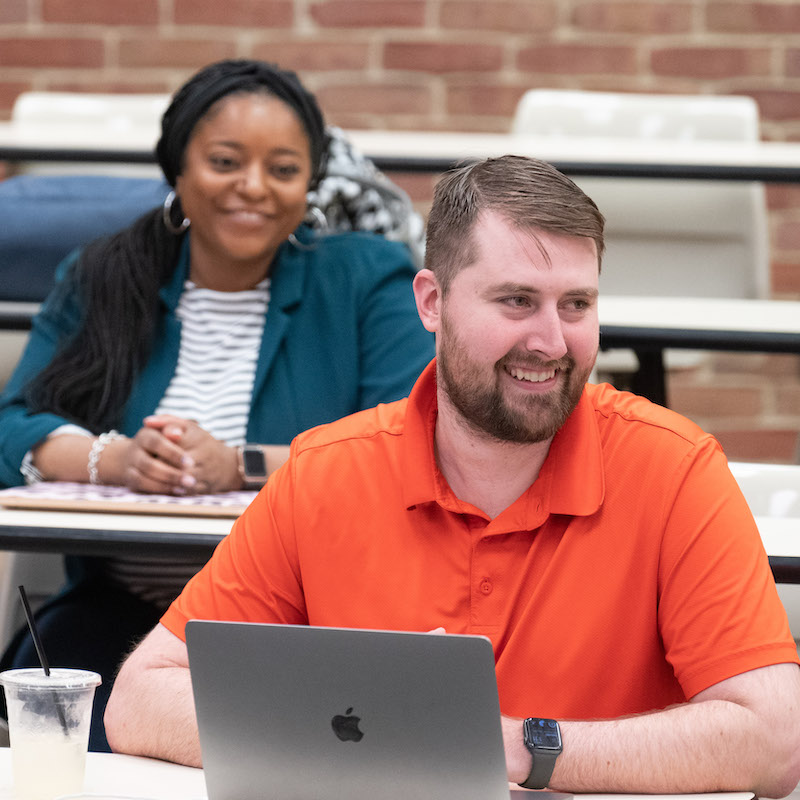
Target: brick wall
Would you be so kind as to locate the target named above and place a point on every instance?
(463, 64)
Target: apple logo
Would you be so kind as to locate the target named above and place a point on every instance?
(345, 726)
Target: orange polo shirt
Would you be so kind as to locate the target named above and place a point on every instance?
(629, 576)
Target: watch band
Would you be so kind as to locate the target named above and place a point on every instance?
(542, 737)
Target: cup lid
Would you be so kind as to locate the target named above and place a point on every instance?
(59, 678)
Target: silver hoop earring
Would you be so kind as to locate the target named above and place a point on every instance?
(166, 215)
(293, 240)
(315, 218)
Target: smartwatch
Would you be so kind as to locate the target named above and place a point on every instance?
(542, 737)
(252, 466)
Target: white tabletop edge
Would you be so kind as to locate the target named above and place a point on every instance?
(453, 145)
(700, 313)
(114, 774)
(91, 520)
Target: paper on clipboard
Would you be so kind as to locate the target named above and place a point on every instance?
(65, 496)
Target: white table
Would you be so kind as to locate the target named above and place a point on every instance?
(126, 776)
(100, 533)
(131, 777)
(648, 325)
(435, 151)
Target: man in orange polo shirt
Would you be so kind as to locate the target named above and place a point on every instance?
(598, 540)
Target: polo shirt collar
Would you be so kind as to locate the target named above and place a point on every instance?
(571, 480)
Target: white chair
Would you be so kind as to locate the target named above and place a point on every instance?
(665, 237)
(773, 490)
(116, 117)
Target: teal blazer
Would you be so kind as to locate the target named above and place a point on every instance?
(341, 334)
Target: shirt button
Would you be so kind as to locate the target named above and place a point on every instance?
(486, 586)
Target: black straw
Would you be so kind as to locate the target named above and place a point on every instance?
(40, 652)
(37, 642)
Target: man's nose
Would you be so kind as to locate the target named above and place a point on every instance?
(545, 336)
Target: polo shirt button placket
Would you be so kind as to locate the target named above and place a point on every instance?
(486, 586)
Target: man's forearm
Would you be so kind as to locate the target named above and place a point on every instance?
(151, 709)
(713, 745)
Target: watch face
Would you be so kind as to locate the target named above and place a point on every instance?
(254, 463)
(543, 733)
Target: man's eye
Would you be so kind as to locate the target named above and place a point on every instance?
(516, 302)
(580, 305)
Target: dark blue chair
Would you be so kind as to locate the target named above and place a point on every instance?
(44, 217)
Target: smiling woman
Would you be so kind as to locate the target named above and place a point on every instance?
(181, 355)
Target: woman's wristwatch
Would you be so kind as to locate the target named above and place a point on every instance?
(252, 465)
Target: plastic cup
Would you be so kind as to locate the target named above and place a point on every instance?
(48, 727)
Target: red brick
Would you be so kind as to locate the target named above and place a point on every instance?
(777, 104)
(786, 281)
(438, 58)
(9, 91)
(248, 13)
(783, 18)
(715, 401)
(51, 52)
(13, 11)
(744, 366)
(308, 55)
(710, 62)
(121, 86)
(783, 196)
(147, 51)
(119, 12)
(418, 186)
(484, 99)
(368, 13)
(777, 446)
(786, 236)
(375, 99)
(511, 17)
(792, 66)
(633, 17)
(573, 59)
(788, 400)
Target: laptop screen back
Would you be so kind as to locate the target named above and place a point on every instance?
(303, 712)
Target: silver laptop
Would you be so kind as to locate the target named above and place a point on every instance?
(289, 712)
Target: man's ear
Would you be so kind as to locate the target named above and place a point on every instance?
(428, 295)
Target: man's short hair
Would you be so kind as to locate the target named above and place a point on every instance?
(528, 193)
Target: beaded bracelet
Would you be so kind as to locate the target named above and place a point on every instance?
(98, 445)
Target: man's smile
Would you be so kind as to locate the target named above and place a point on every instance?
(531, 375)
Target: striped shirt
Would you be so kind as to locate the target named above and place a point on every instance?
(213, 385)
(220, 339)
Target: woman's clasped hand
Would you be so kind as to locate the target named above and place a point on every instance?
(170, 455)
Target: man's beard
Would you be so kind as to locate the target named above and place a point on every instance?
(530, 418)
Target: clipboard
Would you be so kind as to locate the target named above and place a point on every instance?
(66, 496)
